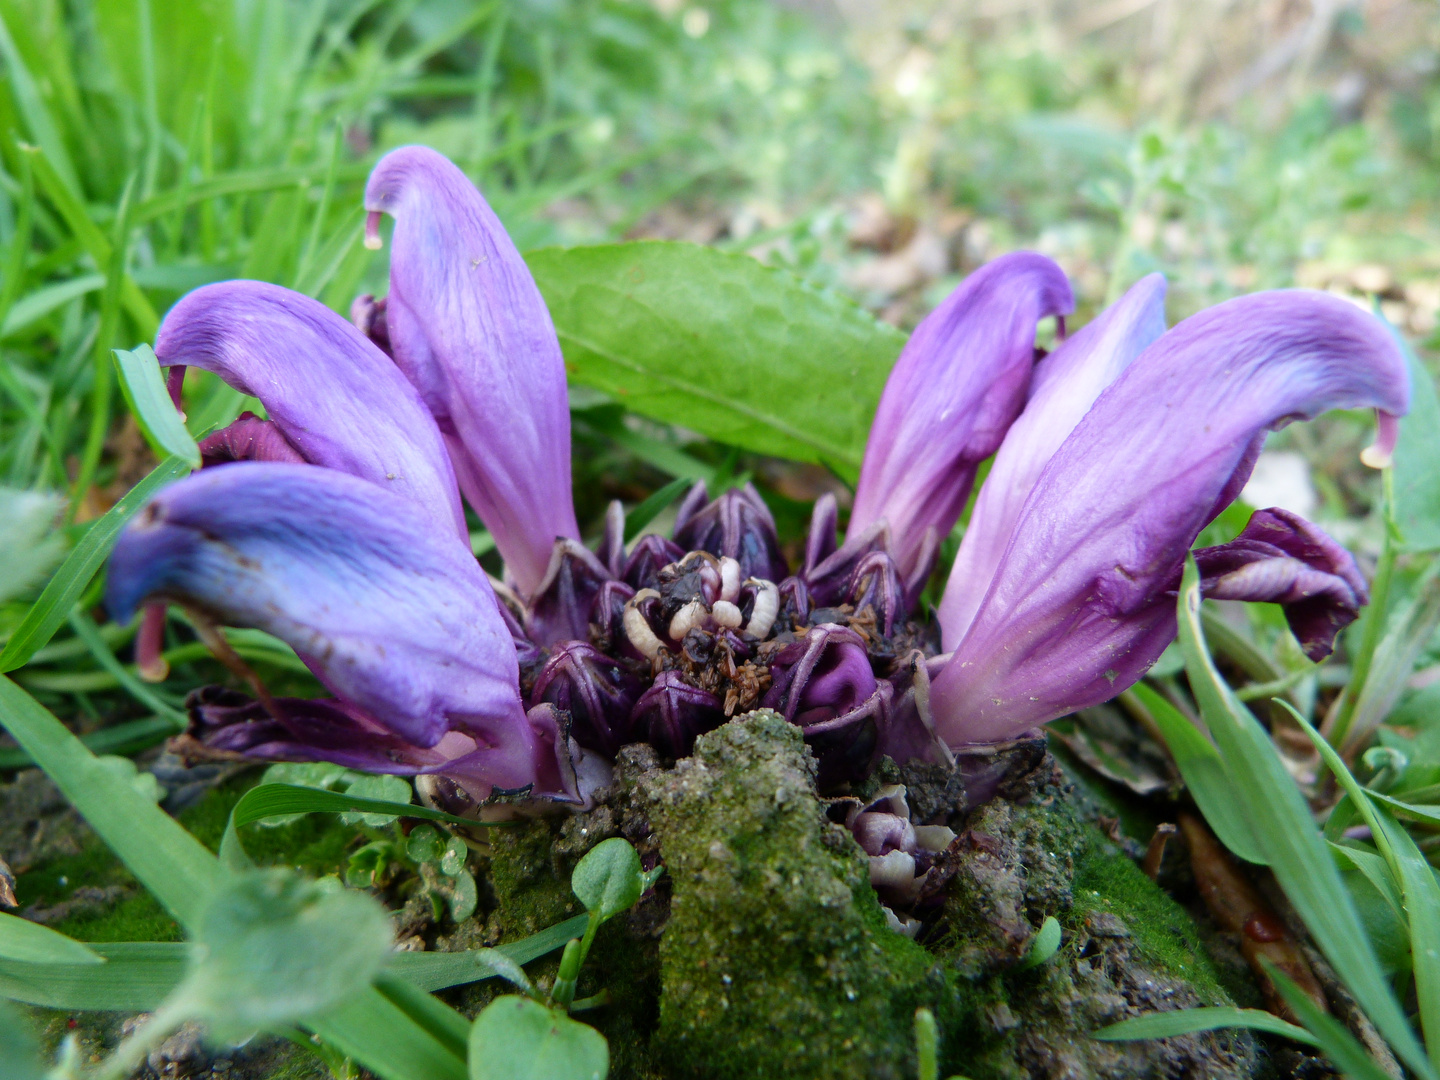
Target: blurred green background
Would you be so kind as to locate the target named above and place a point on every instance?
(882, 149)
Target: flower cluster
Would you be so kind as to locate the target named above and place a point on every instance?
(336, 522)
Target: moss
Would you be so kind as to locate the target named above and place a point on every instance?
(1163, 932)
(531, 886)
(776, 960)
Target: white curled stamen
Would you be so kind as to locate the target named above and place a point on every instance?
(729, 578)
(767, 606)
(727, 614)
(638, 630)
(690, 616)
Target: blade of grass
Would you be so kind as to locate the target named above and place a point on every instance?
(1163, 1025)
(80, 566)
(1287, 835)
(1331, 1036)
(645, 513)
(86, 630)
(30, 942)
(127, 738)
(149, 401)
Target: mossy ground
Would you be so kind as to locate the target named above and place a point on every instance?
(764, 951)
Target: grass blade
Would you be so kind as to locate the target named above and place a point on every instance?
(171, 863)
(1203, 771)
(127, 738)
(436, 971)
(87, 632)
(21, 939)
(148, 399)
(1286, 834)
(645, 513)
(136, 977)
(1162, 1025)
(69, 582)
(1331, 1036)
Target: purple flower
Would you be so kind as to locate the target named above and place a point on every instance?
(958, 385)
(468, 327)
(1064, 591)
(391, 613)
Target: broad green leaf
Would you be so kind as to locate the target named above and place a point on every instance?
(1286, 834)
(1331, 1036)
(19, 1052)
(1044, 945)
(1203, 771)
(390, 789)
(1417, 460)
(645, 513)
(607, 880)
(1162, 1025)
(25, 519)
(70, 581)
(272, 948)
(21, 939)
(171, 863)
(149, 400)
(721, 344)
(515, 1038)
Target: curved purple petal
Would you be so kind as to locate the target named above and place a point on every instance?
(959, 383)
(249, 438)
(1281, 558)
(1078, 608)
(336, 398)
(561, 606)
(395, 618)
(1065, 385)
(737, 524)
(468, 327)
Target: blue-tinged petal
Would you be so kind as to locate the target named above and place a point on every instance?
(959, 383)
(1065, 385)
(334, 397)
(467, 325)
(1080, 604)
(396, 618)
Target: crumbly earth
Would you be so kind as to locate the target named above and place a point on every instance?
(764, 952)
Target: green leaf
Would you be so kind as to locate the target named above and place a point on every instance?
(149, 400)
(127, 738)
(608, 879)
(388, 1041)
(519, 1039)
(136, 977)
(388, 789)
(272, 948)
(70, 581)
(501, 965)
(1162, 1025)
(423, 844)
(171, 863)
(1044, 945)
(448, 1027)
(19, 1052)
(21, 939)
(435, 971)
(1331, 1036)
(452, 862)
(645, 513)
(721, 344)
(1203, 771)
(1286, 834)
(1417, 459)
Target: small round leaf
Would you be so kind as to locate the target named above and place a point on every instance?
(519, 1039)
(609, 879)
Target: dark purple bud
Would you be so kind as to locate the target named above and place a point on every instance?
(611, 550)
(368, 315)
(823, 684)
(821, 542)
(596, 691)
(650, 553)
(795, 606)
(829, 579)
(672, 714)
(737, 524)
(1281, 558)
(249, 438)
(560, 608)
(608, 613)
(875, 584)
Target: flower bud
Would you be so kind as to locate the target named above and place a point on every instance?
(672, 714)
(737, 524)
(598, 693)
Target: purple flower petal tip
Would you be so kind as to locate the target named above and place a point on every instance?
(672, 714)
(249, 438)
(467, 325)
(562, 604)
(395, 617)
(337, 399)
(957, 386)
